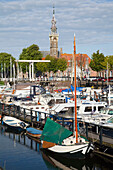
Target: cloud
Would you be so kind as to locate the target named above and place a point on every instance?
(26, 22)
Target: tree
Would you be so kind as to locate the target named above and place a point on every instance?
(42, 67)
(97, 62)
(5, 58)
(52, 66)
(81, 62)
(30, 53)
(110, 62)
(62, 64)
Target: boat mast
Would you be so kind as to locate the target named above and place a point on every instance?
(76, 129)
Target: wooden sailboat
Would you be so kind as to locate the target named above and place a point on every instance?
(60, 140)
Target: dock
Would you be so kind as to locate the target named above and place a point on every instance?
(96, 133)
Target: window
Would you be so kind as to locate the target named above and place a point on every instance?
(88, 109)
(110, 112)
(100, 107)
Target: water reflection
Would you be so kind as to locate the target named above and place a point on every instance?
(91, 163)
(64, 163)
(20, 137)
(48, 159)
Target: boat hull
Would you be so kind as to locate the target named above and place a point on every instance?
(32, 132)
(14, 123)
(77, 151)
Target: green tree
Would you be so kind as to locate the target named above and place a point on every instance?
(5, 58)
(110, 62)
(52, 66)
(42, 67)
(30, 53)
(62, 64)
(97, 62)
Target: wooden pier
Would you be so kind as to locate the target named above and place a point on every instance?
(102, 141)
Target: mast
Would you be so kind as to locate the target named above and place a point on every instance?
(76, 129)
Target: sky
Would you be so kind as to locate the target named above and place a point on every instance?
(27, 22)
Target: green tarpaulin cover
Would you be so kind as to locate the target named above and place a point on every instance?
(53, 132)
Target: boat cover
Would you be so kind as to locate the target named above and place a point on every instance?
(33, 130)
(53, 132)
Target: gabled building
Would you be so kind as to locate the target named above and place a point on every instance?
(82, 64)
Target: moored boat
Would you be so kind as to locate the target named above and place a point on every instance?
(32, 132)
(15, 123)
(57, 139)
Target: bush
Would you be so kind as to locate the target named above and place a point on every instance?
(2, 83)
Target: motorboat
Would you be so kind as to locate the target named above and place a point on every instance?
(84, 108)
(104, 118)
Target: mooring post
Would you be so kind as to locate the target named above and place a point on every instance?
(14, 110)
(31, 143)
(36, 116)
(18, 108)
(45, 117)
(100, 136)
(24, 113)
(4, 108)
(31, 115)
(73, 125)
(106, 96)
(86, 130)
(62, 121)
(97, 84)
(24, 139)
(97, 129)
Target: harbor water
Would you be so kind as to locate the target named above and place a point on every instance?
(18, 152)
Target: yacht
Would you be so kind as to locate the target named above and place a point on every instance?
(84, 108)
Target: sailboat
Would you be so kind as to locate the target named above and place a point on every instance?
(58, 139)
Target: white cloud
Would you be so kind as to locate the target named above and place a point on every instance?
(23, 23)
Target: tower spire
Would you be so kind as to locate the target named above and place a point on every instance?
(53, 21)
(53, 36)
(53, 9)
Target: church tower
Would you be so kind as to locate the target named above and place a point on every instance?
(53, 37)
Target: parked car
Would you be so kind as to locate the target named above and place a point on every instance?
(91, 78)
(100, 79)
(109, 79)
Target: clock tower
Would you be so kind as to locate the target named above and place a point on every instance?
(53, 37)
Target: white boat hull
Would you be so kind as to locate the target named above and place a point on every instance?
(75, 151)
(14, 123)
